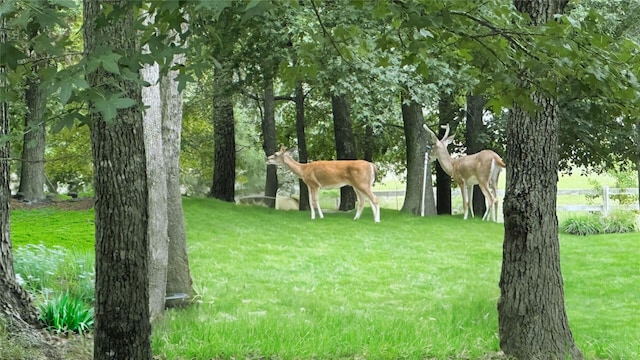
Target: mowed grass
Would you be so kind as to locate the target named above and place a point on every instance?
(278, 285)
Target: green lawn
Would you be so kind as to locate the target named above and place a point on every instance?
(277, 285)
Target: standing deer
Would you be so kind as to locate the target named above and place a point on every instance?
(482, 168)
(331, 174)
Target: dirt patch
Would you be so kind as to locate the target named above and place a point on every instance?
(73, 204)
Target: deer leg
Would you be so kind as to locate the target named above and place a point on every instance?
(470, 201)
(373, 201)
(465, 201)
(360, 204)
(488, 202)
(315, 203)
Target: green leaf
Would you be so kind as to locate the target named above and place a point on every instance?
(123, 103)
(11, 55)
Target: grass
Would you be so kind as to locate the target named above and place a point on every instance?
(51, 227)
(277, 285)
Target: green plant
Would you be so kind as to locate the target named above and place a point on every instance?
(36, 265)
(615, 222)
(64, 314)
(620, 222)
(583, 225)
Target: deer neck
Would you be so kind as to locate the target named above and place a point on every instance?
(293, 165)
(446, 162)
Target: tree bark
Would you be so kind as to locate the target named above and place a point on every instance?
(16, 308)
(224, 172)
(269, 145)
(303, 156)
(157, 189)
(532, 319)
(32, 170)
(446, 116)
(416, 144)
(179, 279)
(475, 130)
(345, 145)
(122, 326)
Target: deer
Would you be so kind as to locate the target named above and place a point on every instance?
(482, 168)
(331, 174)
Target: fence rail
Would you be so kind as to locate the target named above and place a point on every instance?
(606, 203)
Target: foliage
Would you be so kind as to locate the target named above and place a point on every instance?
(616, 222)
(64, 314)
(624, 179)
(46, 270)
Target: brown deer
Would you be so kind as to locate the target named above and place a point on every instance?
(331, 174)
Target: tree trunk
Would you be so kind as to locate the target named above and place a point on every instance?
(532, 319)
(16, 309)
(157, 188)
(416, 147)
(303, 202)
(32, 170)
(179, 279)
(269, 146)
(345, 145)
(224, 172)
(369, 142)
(122, 326)
(475, 129)
(446, 116)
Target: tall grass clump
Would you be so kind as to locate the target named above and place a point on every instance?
(66, 314)
(592, 224)
(62, 284)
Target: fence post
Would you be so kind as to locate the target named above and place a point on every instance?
(605, 200)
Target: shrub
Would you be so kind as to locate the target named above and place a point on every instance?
(583, 225)
(65, 314)
(615, 222)
(36, 265)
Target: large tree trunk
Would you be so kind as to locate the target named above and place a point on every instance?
(16, 309)
(122, 326)
(269, 145)
(157, 188)
(32, 170)
(475, 129)
(416, 147)
(446, 116)
(532, 318)
(345, 145)
(303, 156)
(224, 172)
(179, 279)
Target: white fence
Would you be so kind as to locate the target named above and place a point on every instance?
(605, 200)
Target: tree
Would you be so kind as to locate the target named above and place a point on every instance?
(416, 146)
(224, 173)
(446, 115)
(122, 326)
(533, 322)
(475, 129)
(157, 232)
(179, 279)
(345, 144)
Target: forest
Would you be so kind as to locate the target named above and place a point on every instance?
(138, 104)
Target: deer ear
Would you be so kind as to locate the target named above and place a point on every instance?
(283, 148)
(295, 148)
(449, 140)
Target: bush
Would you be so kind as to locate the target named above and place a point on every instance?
(45, 272)
(616, 222)
(65, 314)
